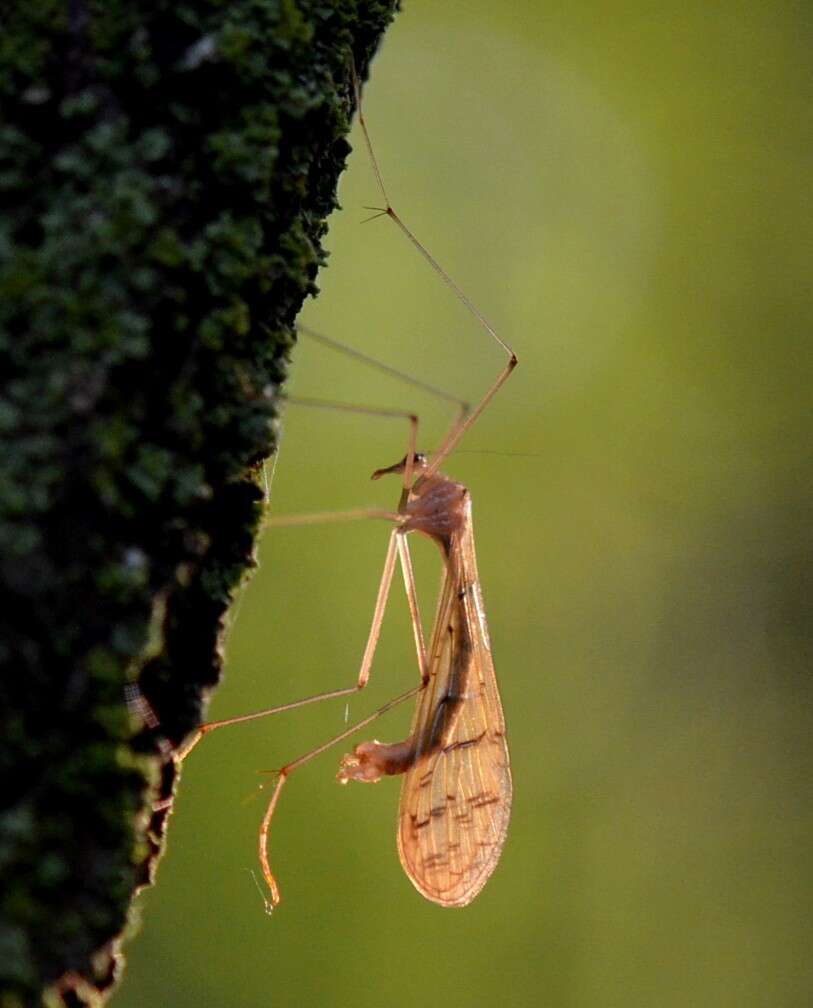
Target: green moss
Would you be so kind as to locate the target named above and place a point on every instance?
(165, 175)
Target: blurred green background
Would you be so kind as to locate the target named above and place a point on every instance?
(622, 189)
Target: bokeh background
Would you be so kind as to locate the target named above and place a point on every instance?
(624, 190)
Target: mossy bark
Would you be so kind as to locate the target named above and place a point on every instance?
(165, 174)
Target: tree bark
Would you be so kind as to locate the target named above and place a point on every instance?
(165, 174)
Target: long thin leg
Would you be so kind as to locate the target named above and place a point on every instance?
(462, 406)
(396, 543)
(412, 599)
(325, 517)
(378, 612)
(464, 422)
(452, 439)
(381, 411)
(399, 540)
(364, 358)
(285, 772)
(363, 677)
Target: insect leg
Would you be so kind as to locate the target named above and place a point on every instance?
(364, 673)
(467, 419)
(285, 772)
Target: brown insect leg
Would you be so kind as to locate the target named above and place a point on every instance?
(285, 772)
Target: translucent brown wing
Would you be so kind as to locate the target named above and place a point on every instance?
(456, 797)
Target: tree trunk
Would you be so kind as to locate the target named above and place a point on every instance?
(165, 174)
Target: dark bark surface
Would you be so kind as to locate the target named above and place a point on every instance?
(165, 174)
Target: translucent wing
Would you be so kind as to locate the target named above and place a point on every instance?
(456, 796)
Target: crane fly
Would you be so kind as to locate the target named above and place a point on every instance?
(456, 792)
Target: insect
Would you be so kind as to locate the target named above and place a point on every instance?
(456, 792)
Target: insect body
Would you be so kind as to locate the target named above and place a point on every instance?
(456, 795)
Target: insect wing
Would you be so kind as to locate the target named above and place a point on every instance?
(456, 798)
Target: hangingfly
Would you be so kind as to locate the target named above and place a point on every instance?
(456, 793)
